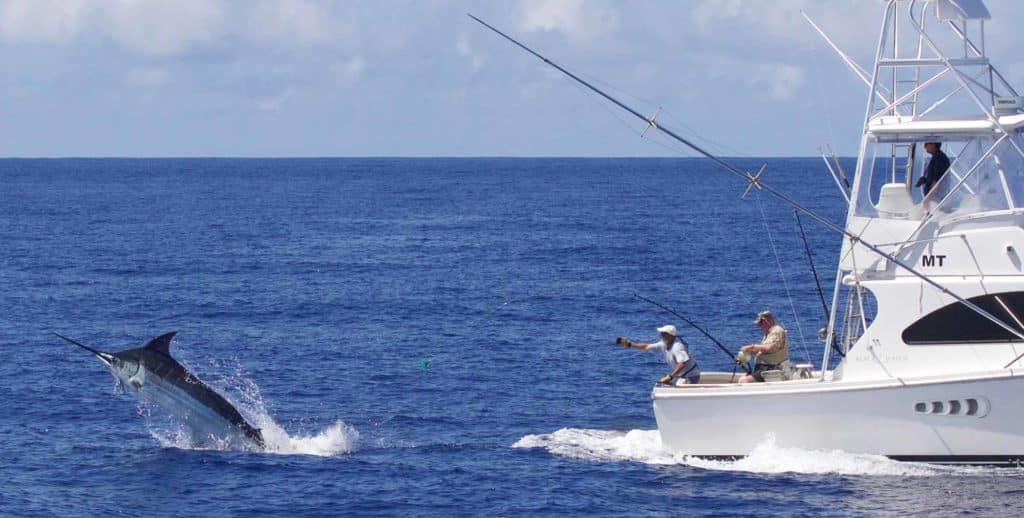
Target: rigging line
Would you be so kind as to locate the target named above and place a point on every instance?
(606, 108)
(755, 182)
(817, 283)
(630, 127)
(664, 114)
(785, 283)
(619, 90)
(706, 140)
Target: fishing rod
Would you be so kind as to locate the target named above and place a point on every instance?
(817, 283)
(698, 328)
(810, 261)
(755, 181)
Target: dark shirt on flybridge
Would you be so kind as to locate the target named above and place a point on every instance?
(936, 168)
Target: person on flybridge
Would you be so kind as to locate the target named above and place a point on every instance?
(937, 167)
(772, 353)
(684, 366)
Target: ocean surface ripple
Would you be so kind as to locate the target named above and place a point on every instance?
(414, 336)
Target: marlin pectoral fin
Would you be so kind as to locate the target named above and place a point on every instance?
(161, 344)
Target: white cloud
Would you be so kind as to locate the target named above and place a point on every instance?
(273, 104)
(158, 27)
(41, 21)
(292, 22)
(148, 76)
(578, 19)
(161, 27)
(706, 13)
(782, 80)
(347, 73)
(463, 48)
(851, 23)
(172, 27)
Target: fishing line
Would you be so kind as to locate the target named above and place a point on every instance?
(604, 106)
(785, 284)
(662, 114)
(669, 145)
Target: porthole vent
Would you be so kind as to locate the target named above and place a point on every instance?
(975, 407)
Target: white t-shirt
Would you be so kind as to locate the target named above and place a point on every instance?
(674, 355)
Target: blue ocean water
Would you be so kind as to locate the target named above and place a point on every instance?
(415, 336)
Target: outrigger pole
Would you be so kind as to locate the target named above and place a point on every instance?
(755, 181)
(698, 328)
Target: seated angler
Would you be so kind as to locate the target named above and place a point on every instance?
(773, 351)
(683, 365)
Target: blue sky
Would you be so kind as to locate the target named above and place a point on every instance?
(404, 78)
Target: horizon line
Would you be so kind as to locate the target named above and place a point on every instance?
(410, 157)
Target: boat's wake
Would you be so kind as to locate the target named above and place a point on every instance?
(645, 446)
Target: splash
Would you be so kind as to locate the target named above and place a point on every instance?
(337, 439)
(645, 446)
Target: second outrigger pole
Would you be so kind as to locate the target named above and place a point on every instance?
(698, 328)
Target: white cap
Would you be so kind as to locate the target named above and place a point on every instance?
(670, 329)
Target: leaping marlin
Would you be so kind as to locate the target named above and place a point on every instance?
(151, 372)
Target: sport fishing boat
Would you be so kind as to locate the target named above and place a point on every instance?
(930, 328)
(924, 344)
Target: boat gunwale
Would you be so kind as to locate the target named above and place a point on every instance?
(813, 386)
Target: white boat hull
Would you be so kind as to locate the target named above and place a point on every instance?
(977, 420)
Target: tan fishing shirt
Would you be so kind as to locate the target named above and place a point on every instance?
(778, 350)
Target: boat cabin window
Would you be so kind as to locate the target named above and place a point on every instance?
(985, 174)
(956, 323)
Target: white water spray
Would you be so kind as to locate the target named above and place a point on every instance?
(337, 439)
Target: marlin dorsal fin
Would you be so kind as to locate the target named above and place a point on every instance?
(161, 344)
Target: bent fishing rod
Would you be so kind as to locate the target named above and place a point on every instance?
(817, 283)
(698, 328)
(755, 181)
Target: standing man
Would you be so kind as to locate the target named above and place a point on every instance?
(937, 167)
(773, 351)
(683, 365)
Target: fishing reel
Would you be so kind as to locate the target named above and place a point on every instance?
(743, 358)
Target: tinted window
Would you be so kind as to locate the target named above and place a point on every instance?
(958, 323)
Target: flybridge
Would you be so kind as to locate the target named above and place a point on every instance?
(934, 68)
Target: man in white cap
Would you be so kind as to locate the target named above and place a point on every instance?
(684, 366)
(773, 351)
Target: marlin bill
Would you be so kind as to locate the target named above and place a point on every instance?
(155, 376)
